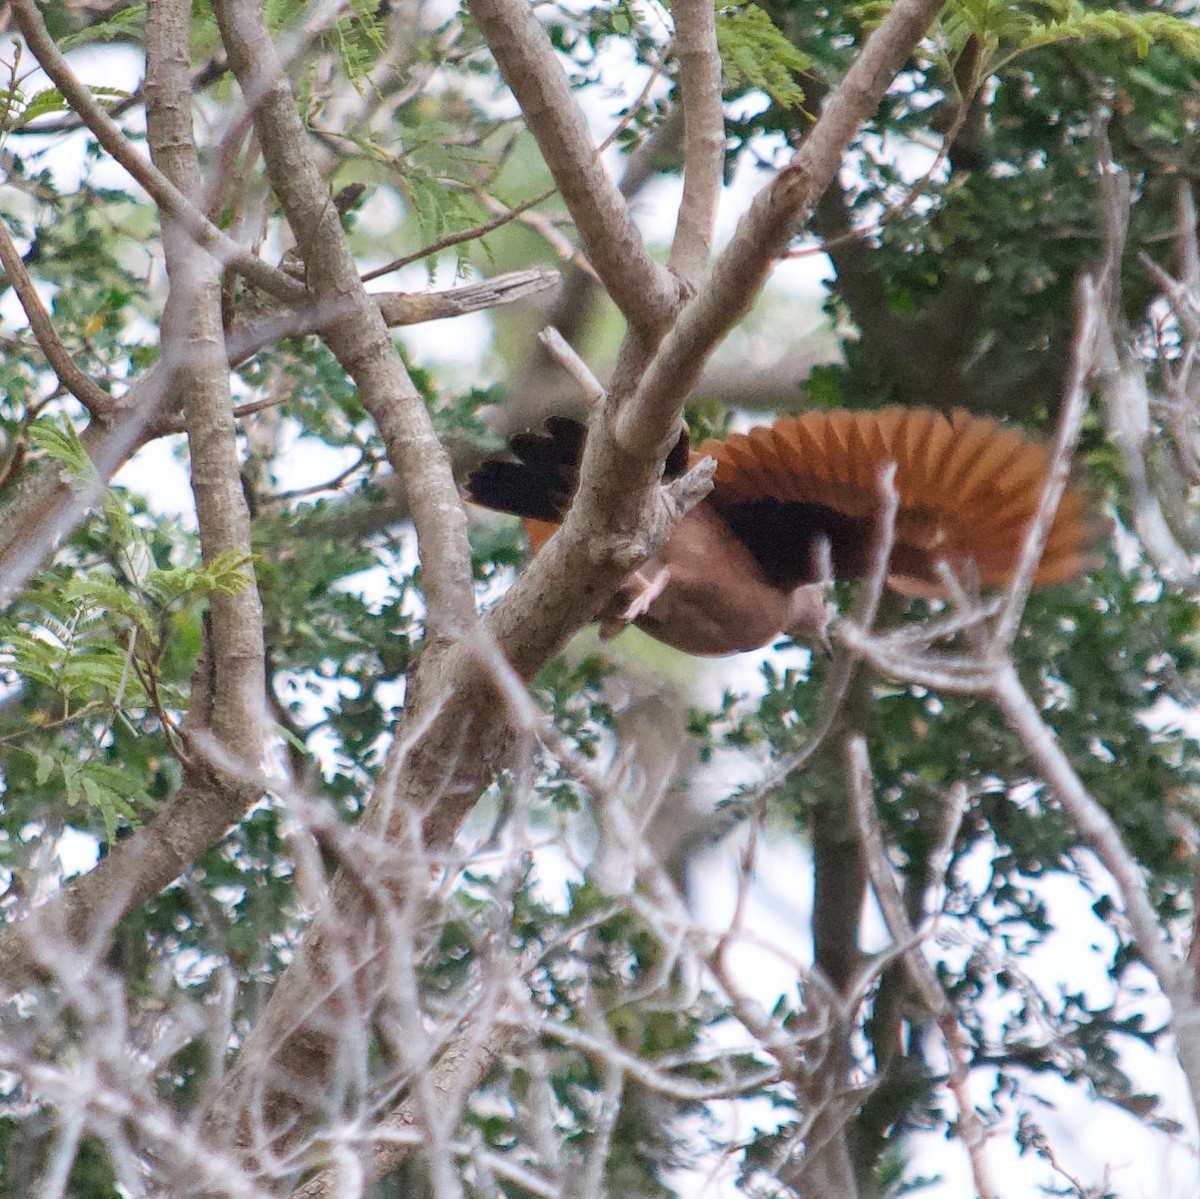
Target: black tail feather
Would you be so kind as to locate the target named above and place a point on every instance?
(560, 445)
(543, 480)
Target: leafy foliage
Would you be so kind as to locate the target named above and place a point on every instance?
(957, 292)
(1008, 30)
(755, 54)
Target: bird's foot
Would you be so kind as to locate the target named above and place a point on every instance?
(646, 591)
(810, 613)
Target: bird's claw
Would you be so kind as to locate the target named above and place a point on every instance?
(811, 612)
(646, 591)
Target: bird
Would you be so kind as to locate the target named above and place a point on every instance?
(794, 504)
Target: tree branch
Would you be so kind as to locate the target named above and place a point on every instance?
(169, 198)
(1096, 828)
(360, 340)
(397, 308)
(221, 776)
(192, 335)
(1123, 390)
(640, 288)
(763, 234)
(703, 137)
(1085, 362)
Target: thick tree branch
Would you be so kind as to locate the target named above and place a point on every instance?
(359, 340)
(703, 138)
(192, 319)
(640, 288)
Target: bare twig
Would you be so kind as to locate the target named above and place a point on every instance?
(457, 239)
(837, 685)
(1094, 826)
(562, 353)
(397, 308)
(548, 226)
(1085, 362)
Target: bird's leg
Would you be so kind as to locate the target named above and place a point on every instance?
(645, 591)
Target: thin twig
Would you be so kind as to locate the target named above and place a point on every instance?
(506, 213)
(457, 239)
(561, 351)
(1093, 824)
(837, 685)
(1085, 362)
(895, 915)
(897, 207)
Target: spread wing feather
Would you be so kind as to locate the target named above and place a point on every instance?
(968, 489)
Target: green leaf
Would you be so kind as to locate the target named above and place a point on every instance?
(125, 24)
(62, 444)
(1009, 30)
(755, 54)
(20, 111)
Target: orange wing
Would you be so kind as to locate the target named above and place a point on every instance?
(967, 486)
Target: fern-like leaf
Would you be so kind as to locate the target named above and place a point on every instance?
(754, 53)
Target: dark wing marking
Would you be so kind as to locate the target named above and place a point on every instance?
(788, 539)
